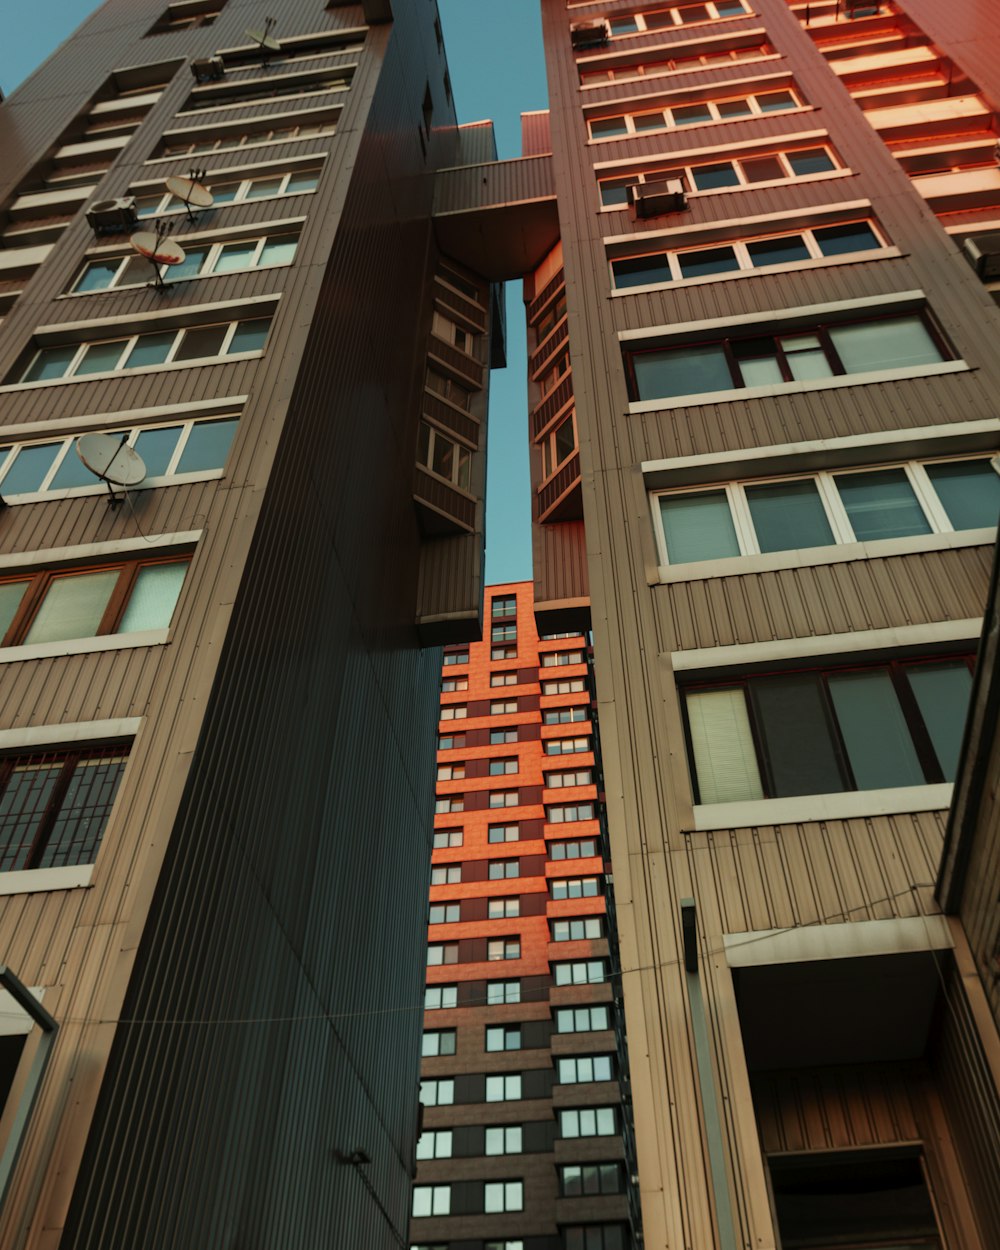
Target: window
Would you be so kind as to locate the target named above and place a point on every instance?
(499, 737)
(444, 327)
(818, 732)
(440, 997)
(589, 1122)
(566, 746)
(503, 1037)
(558, 446)
(503, 605)
(595, 1237)
(451, 804)
(451, 742)
(503, 908)
(747, 171)
(450, 684)
(203, 141)
(447, 837)
(821, 351)
(505, 1088)
(443, 456)
(550, 318)
(580, 972)
(503, 948)
(504, 798)
(200, 260)
(446, 874)
(438, 1042)
(727, 109)
(583, 1069)
(57, 605)
(582, 849)
(575, 887)
(762, 252)
(143, 351)
(451, 772)
(504, 833)
(438, 1093)
(507, 1139)
(682, 15)
(238, 191)
(505, 652)
(504, 869)
(503, 633)
(503, 679)
(860, 505)
(579, 1179)
(54, 806)
(559, 781)
(564, 715)
(454, 711)
(442, 953)
(578, 929)
(571, 685)
(503, 1196)
(591, 76)
(444, 913)
(448, 388)
(498, 992)
(434, 1144)
(431, 1200)
(503, 767)
(185, 16)
(455, 657)
(506, 708)
(583, 1019)
(553, 374)
(554, 659)
(567, 812)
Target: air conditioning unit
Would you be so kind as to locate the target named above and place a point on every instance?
(585, 35)
(983, 254)
(651, 199)
(112, 216)
(208, 69)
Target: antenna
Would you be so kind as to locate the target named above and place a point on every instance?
(264, 41)
(112, 460)
(158, 249)
(190, 191)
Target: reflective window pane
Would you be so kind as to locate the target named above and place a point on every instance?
(788, 516)
(891, 343)
(225, 192)
(640, 270)
(969, 491)
(942, 693)
(97, 276)
(11, 594)
(603, 127)
(683, 371)
(810, 161)
(279, 250)
(855, 236)
(691, 114)
(301, 182)
(763, 169)
(235, 256)
(154, 596)
(707, 261)
(698, 526)
(201, 342)
(51, 362)
(261, 187)
(649, 121)
(777, 251)
(725, 762)
(156, 447)
(73, 606)
(28, 468)
(100, 357)
(708, 177)
(878, 743)
(207, 446)
(881, 505)
(151, 349)
(796, 737)
(72, 472)
(734, 108)
(774, 101)
(190, 266)
(250, 336)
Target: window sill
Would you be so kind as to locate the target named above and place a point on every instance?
(41, 880)
(794, 388)
(13, 388)
(739, 566)
(79, 492)
(711, 123)
(851, 805)
(83, 646)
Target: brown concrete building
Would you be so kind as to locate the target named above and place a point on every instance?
(766, 378)
(527, 1137)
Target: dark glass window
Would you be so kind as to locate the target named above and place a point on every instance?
(708, 177)
(797, 739)
(707, 261)
(778, 251)
(969, 491)
(855, 236)
(602, 127)
(881, 504)
(640, 270)
(788, 516)
(691, 114)
(810, 161)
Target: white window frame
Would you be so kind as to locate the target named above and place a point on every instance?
(711, 104)
(463, 457)
(168, 204)
(673, 9)
(435, 1144)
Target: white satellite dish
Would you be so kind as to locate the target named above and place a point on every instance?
(159, 250)
(191, 193)
(110, 458)
(263, 40)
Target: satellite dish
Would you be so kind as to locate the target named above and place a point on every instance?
(264, 40)
(161, 251)
(110, 458)
(189, 192)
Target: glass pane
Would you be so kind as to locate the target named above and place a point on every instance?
(683, 371)
(51, 362)
(689, 114)
(856, 236)
(601, 127)
(763, 169)
(969, 491)
(761, 371)
(72, 472)
(73, 606)
(881, 505)
(262, 187)
(83, 812)
(22, 807)
(29, 467)
(301, 182)
(137, 272)
(190, 266)
(154, 596)
(564, 441)
(810, 161)
(942, 694)
(151, 349)
(788, 516)
(207, 446)
(698, 527)
(623, 25)
(693, 13)
(279, 251)
(147, 205)
(250, 336)
(201, 343)
(878, 743)
(796, 739)
(725, 762)
(98, 275)
(649, 121)
(734, 108)
(225, 192)
(707, 261)
(443, 461)
(708, 177)
(640, 271)
(235, 256)
(156, 447)
(612, 194)
(805, 357)
(892, 343)
(776, 100)
(100, 357)
(11, 594)
(778, 251)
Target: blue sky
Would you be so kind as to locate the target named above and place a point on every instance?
(497, 71)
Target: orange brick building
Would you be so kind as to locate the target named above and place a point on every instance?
(527, 1138)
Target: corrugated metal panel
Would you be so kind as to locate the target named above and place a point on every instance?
(535, 137)
(493, 185)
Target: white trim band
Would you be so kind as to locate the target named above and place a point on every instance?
(819, 808)
(856, 939)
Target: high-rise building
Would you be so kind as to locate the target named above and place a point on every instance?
(527, 1139)
(217, 715)
(767, 364)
